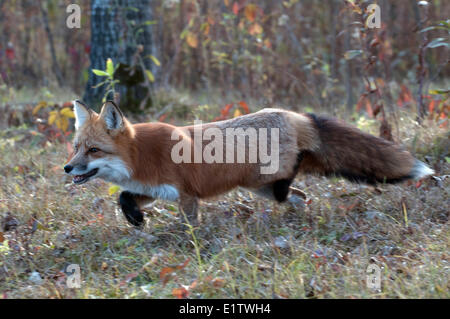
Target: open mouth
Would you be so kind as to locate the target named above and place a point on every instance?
(81, 179)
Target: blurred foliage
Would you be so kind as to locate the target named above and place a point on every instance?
(278, 51)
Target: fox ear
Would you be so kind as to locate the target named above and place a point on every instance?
(82, 113)
(112, 116)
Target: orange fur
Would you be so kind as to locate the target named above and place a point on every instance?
(307, 144)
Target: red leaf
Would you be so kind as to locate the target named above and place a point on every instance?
(128, 278)
(218, 282)
(377, 110)
(226, 110)
(369, 108)
(193, 285)
(250, 12)
(162, 118)
(164, 274)
(180, 293)
(407, 96)
(443, 116)
(236, 8)
(10, 54)
(431, 106)
(360, 102)
(183, 265)
(255, 29)
(244, 106)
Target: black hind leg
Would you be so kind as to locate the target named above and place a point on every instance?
(281, 189)
(131, 209)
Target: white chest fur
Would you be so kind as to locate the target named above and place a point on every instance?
(163, 191)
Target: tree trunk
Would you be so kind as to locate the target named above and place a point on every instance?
(51, 43)
(348, 70)
(120, 30)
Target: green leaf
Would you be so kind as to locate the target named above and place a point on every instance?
(99, 85)
(110, 67)
(150, 75)
(439, 92)
(154, 59)
(171, 208)
(132, 9)
(352, 54)
(42, 227)
(138, 31)
(434, 28)
(100, 72)
(447, 159)
(438, 42)
(183, 34)
(149, 22)
(444, 23)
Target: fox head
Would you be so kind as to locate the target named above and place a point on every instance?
(101, 144)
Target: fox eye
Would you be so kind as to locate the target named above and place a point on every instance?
(93, 150)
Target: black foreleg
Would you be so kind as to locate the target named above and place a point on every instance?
(131, 209)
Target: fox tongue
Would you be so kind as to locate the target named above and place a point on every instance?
(79, 178)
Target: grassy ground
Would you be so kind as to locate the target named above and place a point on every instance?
(247, 247)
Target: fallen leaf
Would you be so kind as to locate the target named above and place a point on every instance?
(166, 271)
(42, 227)
(164, 274)
(218, 282)
(128, 278)
(180, 293)
(183, 265)
(193, 285)
(113, 189)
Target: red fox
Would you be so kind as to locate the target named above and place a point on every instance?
(144, 159)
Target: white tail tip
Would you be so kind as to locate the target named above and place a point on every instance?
(420, 170)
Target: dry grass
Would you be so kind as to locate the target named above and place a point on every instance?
(246, 247)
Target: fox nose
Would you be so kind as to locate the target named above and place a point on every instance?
(68, 168)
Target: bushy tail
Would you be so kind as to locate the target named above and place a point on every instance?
(360, 157)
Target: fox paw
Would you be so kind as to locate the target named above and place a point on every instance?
(135, 217)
